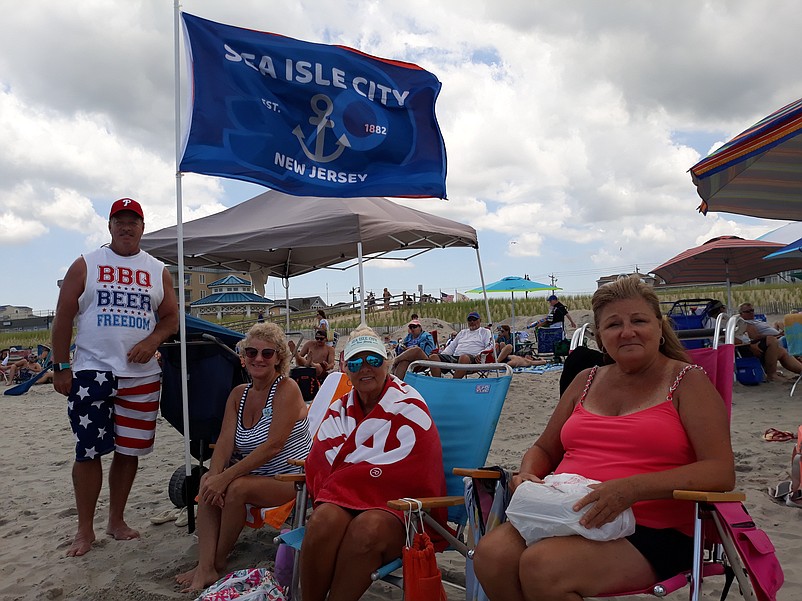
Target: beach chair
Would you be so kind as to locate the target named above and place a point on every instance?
(726, 540)
(578, 337)
(548, 337)
(466, 412)
(793, 338)
(24, 385)
(334, 386)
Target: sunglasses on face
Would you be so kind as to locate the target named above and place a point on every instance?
(472, 319)
(748, 311)
(320, 337)
(251, 352)
(354, 365)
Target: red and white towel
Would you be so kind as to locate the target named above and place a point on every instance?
(362, 461)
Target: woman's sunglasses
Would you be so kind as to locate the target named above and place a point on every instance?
(354, 365)
(251, 352)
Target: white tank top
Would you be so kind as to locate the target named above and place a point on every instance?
(116, 310)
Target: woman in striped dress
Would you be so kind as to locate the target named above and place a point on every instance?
(264, 426)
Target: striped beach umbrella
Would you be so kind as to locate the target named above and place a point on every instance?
(726, 259)
(758, 172)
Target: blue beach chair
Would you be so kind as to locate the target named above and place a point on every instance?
(793, 338)
(466, 412)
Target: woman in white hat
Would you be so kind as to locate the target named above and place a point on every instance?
(375, 444)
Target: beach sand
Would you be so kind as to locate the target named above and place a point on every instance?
(38, 518)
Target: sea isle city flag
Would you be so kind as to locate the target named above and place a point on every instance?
(310, 119)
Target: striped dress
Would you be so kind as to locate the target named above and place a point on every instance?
(247, 439)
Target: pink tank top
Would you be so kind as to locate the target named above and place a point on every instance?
(604, 447)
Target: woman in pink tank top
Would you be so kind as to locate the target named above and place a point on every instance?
(644, 425)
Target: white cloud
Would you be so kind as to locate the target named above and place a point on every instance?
(569, 126)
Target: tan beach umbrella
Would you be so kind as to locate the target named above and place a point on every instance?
(727, 259)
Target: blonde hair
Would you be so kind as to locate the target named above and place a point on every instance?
(632, 287)
(272, 334)
(363, 330)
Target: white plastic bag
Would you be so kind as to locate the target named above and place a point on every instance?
(540, 511)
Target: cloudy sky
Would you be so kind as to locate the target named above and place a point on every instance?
(569, 126)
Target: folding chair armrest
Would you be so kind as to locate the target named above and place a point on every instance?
(427, 503)
(290, 477)
(709, 497)
(479, 474)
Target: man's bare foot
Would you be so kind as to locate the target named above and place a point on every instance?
(81, 544)
(202, 578)
(185, 578)
(122, 531)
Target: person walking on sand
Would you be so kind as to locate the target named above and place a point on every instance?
(125, 307)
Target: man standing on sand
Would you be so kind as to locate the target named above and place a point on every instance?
(125, 307)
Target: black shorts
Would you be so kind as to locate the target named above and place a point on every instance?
(454, 358)
(744, 350)
(668, 551)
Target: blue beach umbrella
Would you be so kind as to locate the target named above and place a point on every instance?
(513, 284)
(793, 250)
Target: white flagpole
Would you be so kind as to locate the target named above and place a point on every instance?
(182, 327)
(484, 293)
(361, 285)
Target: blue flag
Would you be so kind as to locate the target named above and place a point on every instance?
(310, 119)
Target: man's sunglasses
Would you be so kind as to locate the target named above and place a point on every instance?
(354, 365)
(473, 319)
(320, 337)
(251, 352)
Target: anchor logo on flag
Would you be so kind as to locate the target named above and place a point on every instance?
(322, 124)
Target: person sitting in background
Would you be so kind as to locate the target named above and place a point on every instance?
(316, 353)
(24, 369)
(417, 346)
(645, 425)
(264, 425)
(466, 346)
(557, 314)
(351, 474)
(712, 311)
(504, 344)
(5, 354)
(504, 351)
(761, 340)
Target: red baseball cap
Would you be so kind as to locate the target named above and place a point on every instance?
(126, 204)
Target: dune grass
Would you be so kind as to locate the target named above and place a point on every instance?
(767, 298)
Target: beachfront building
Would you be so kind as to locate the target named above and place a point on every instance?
(15, 312)
(297, 304)
(230, 295)
(645, 278)
(197, 280)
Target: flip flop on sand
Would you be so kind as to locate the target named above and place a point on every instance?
(182, 519)
(169, 515)
(782, 489)
(775, 435)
